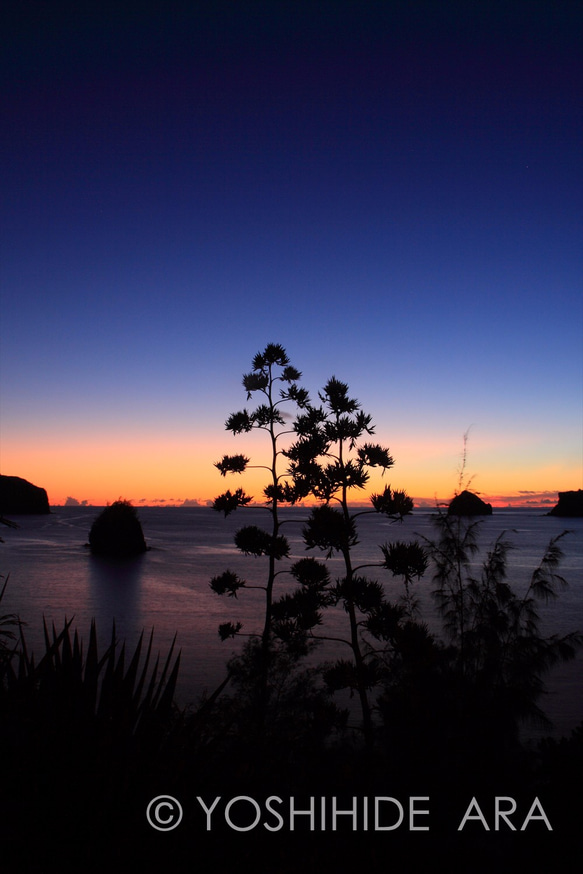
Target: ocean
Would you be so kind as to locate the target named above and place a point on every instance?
(53, 575)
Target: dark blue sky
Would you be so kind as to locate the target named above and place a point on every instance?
(391, 190)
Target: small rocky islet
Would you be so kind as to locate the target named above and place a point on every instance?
(117, 532)
(468, 504)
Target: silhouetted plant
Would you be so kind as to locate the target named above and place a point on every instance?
(464, 480)
(8, 622)
(275, 381)
(9, 524)
(465, 502)
(500, 654)
(81, 733)
(409, 561)
(298, 714)
(77, 689)
(328, 462)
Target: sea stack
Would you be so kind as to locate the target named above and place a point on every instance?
(570, 505)
(468, 504)
(19, 497)
(117, 532)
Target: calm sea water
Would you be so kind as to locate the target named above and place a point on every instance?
(52, 574)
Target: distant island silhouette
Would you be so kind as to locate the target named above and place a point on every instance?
(117, 532)
(570, 504)
(468, 504)
(20, 497)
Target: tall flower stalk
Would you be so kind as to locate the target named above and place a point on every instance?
(275, 382)
(329, 462)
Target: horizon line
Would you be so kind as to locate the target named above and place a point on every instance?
(522, 501)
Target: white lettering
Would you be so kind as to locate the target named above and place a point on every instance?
(413, 812)
(208, 810)
(273, 828)
(479, 815)
(530, 816)
(157, 810)
(387, 828)
(336, 812)
(293, 813)
(504, 814)
(242, 828)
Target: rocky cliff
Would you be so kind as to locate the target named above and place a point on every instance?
(18, 496)
(570, 504)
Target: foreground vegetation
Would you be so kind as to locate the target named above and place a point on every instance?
(90, 738)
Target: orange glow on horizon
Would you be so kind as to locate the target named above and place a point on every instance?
(172, 470)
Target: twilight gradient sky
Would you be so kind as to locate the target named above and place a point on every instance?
(391, 190)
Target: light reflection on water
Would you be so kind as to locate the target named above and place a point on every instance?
(115, 591)
(52, 574)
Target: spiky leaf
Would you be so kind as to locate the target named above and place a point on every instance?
(229, 629)
(227, 583)
(232, 464)
(229, 501)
